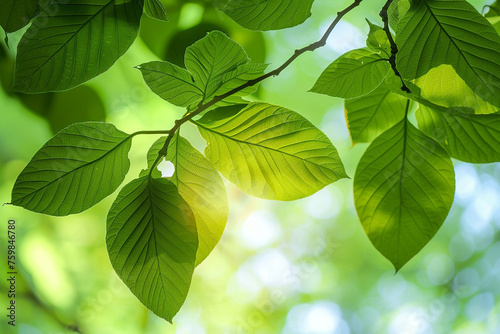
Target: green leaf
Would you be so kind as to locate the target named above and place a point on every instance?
(435, 32)
(271, 152)
(15, 14)
(202, 188)
(70, 43)
(397, 10)
(171, 82)
(443, 86)
(76, 169)
(214, 65)
(377, 40)
(152, 241)
(355, 73)
(268, 14)
(403, 189)
(466, 137)
(370, 115)
(155, 9)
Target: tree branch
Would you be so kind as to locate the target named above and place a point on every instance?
(204, 106)
(394, 47)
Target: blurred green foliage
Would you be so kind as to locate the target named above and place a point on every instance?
(299, 267)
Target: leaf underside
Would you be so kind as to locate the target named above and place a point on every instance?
(72, 42)
(268, 14)
(272, 152)
(152, 241)
(403, 189)
(77, 168)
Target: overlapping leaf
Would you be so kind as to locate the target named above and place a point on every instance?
(377, 40)
(370, 115)
(72, 42)
(155, 10)
(268, 14)
(152, 241)
(214, 65)
(201, 186)
(15, 14)
(467, 137)
(272, 152)
(435, 32)
(77, 168)
(442, 86)
(355, 73)
(403, 189)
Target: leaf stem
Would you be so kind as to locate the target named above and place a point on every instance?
(204, 106)
(394, 47)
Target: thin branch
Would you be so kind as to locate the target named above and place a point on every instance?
(204, 106)
(394, 47)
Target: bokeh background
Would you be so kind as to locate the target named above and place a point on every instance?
(281, 267)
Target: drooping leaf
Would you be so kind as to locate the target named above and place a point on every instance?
(202, 188)
(268, 14)
(435, 32)
(370, 115)
(152, 241)
(377, 40)
(155, 10)
(271, 152)
(493, 15)
(77, 168)
(72, 42)
(466, 137)
(214, 65)
(403, 189)
(355, 73)
(443, 86)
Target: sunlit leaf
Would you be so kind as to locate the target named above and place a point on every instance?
(443, 86)
(355, 73)
(152, 241)
(467, 137)
(70, 43)
(214, 65)
(435, 32)
(155, 10)
(403, 189)
(77, 168)
(370, 115)
(271, 152)
(268, 14)
(377, 40)
(202, 188)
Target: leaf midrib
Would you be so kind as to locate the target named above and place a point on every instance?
(266, 147)
(456, 46)
(79, 167)
(66, 43)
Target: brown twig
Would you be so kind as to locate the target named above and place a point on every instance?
(394, 47)
(204, 106)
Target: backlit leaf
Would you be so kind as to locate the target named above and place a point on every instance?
(77, 168)
(355, 73)
(467, 137)
(435, 32)
(403, 189)
(152, 241)
(271, 152)
(370, 115)
(155, 10)
(201, 186)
